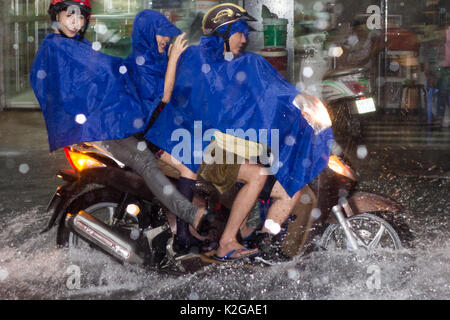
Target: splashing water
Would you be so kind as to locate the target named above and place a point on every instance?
(32, 267)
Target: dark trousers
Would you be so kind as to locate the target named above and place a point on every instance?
(145, 164)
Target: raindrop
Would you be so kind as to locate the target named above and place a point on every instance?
(101, 28)
(289, 140)
(123, 69)
(141, 146)
(321, 24)
(138, 123)
(3, 274)
(318, 6)
(41, 74)
(198, 154)
(96, 46)
(80, 118)
(55, 25)
(15, 46)
(206, 68)
(178, 120)
(241, 76)
(308, 72)
(272, 226)
(229, 56)
(335, 51)
(380, 82)
(194, 296)
(140, 60)
(330, 143)
(134, 234)
(305, 198)
(306, 163)
(293, 274)
(336, 149)
(361, 152)
(316, 213)
(24, 168)
(168, 189)
(30, 39)
(394, 66)
(353, 40)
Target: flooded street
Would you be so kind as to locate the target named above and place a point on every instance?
(31, 267)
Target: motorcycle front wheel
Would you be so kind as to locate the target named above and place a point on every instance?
(371, 232)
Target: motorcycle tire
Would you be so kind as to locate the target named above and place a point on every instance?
(96, 202)
(374, 233)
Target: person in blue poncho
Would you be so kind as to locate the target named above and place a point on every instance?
(148, 64)
(220, 89)
(87, 96)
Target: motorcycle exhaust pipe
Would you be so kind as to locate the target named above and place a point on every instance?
(100, 234)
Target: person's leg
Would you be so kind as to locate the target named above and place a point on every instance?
(280, 209)
(186, 186)
(251, 175)
(146, 165)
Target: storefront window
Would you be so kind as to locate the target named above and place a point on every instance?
(27, 23)
(402, 45)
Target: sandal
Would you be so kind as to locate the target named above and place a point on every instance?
(227, 258)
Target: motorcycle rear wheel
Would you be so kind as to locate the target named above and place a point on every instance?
(100, 203)
(372, 232)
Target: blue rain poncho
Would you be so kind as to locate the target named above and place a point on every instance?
(84, 95)
(245, 93)
(147, 65)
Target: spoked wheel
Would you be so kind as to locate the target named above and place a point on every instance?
(370, 231)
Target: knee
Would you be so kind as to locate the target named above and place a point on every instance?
(252, 174)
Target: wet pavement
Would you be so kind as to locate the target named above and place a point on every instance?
(31, 267)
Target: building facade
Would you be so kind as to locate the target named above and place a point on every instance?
(404, 44)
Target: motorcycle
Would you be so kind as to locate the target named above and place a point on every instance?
(348, 94)
(346, 91)
(108, 206)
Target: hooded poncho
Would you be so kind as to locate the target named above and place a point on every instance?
(147, 65)
(246, 93)
(84, 95)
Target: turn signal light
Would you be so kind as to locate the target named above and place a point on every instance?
(335, 164)
(81, 161)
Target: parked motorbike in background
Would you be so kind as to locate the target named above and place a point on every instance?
(346, 91)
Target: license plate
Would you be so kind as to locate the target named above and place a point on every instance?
(365, 105)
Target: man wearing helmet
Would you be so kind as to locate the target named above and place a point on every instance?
(87, 96)
(235, 90)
